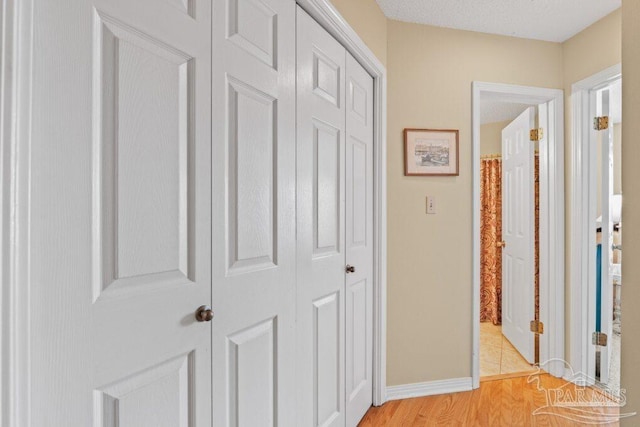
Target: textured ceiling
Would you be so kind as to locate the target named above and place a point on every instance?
(550, 20)
(499, 111)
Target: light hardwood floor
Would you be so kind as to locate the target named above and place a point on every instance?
(506, 402)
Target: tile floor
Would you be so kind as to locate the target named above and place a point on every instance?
(497, 355)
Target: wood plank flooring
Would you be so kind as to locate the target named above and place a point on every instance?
(504, 402)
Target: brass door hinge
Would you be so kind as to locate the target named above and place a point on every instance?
(536, 134)
(536, 326)
(601, 123)
(599, 338)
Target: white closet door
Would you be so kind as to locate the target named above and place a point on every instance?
(254, 213)
(119, 233)
(335, 228)
(359, 241)
(321, 230)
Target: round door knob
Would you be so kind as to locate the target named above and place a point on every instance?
(204, 313)
(501, 244)
(350, 269)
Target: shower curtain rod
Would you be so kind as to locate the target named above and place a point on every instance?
(499, 156)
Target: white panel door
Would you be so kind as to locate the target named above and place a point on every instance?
(359, 242)
(335, 228)
(606, 293)
(518, 222)
(254, 213)
(120, 213)
(321, 225)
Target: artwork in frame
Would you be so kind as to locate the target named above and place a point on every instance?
(431, 152)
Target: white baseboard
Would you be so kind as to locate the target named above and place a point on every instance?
(429, 388)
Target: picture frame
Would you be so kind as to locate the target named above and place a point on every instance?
(431, 152)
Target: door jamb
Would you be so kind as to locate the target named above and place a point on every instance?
(330, 19)
(582, 285)
(551, 222)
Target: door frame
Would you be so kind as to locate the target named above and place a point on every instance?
(583, 216)
(16, 39)
(551, 222)
(330, 19)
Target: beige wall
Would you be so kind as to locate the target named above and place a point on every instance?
(367, 19)
(631, 209)
(491, 137)
(594, 49)
(430, 71)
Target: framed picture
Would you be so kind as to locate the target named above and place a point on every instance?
(431, 152)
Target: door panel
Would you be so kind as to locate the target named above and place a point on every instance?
(254, 213)
(335, 227)
(321, 224)
(160, 396)
(120, 230)
(252, 366)
(359, 242)
(518, 291)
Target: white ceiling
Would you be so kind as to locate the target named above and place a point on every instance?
(492, 111)
(550, 20)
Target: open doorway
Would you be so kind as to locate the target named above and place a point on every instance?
(509, 238)
(551, 263)
(608, 230)
(596, 273)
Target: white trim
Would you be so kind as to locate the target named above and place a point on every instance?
(583, 215)
(329, 18)
(16, 40)
(429, 388)
(551, 222)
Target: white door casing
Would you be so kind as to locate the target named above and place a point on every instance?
(583, 253)
(518, 233)
(254, 214)
(359, 241)
(119, 240)
(606, 307)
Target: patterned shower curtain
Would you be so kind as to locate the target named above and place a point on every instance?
(490, 235)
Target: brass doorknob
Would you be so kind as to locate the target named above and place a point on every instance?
(204, 313)
(350, 269)
(501, 244)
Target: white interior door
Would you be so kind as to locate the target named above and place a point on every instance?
(321, 225)
(359, 241)
(606, 294)
(120, 199)
(335, 228)
(254, 213)
(518, 222)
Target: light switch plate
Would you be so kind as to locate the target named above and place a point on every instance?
(431, 205)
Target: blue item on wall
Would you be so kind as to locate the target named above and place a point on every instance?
(598, 286)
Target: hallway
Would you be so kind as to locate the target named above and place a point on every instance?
(508, 402)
